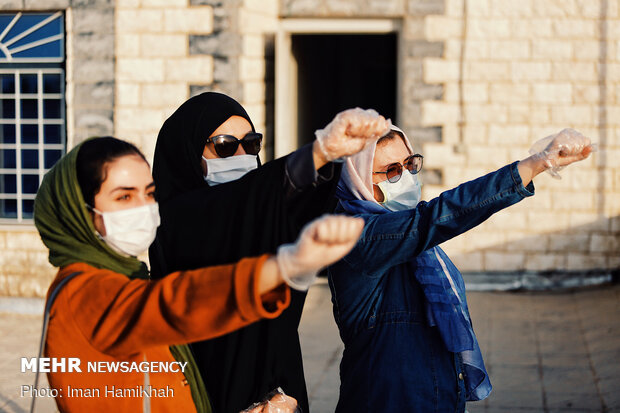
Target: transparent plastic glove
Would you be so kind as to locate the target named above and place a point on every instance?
(350, 131)
(562, 149)
(321, 243)
(275, 402)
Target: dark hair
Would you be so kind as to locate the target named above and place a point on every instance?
(390, 135)
(92, 158)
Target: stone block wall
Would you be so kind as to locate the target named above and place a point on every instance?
(348, 8)
(130, 64)
(242, 47)
(413, 45)
(223, 44)
(155, 68)
(89, 95)
(513, 73)
(89, 27)
(258, 24)
(24, 268)
(480, 81)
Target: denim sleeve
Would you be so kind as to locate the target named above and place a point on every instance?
(301, 173)
(396, 237)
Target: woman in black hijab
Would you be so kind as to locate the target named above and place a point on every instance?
(208, 217)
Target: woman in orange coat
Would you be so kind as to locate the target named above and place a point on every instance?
(96, 211)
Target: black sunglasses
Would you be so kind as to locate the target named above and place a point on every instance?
(394, 170)
(227, 145)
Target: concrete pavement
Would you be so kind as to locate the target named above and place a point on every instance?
(546, 352)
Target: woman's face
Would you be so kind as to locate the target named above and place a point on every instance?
(387, 152)
(235, 126)
(128, 184)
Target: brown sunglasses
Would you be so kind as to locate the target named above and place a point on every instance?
(394, 170)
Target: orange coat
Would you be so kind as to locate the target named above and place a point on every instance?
(101, 315)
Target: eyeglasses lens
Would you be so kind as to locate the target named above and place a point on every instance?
(394, 172)
(252, 143)
(225, 146)
(414, 164)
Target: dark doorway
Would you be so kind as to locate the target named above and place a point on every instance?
(336, 72)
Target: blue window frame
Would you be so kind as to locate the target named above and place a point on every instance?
(32, 107)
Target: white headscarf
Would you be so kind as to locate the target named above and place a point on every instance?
(357, 170)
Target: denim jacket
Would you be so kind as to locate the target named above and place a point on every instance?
(393, 360)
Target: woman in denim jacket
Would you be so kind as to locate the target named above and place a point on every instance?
(399, 301)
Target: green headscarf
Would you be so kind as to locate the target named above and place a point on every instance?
(66, 228)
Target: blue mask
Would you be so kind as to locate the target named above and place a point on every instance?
(402, 195)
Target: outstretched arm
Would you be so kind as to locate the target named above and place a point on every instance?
(120, 316)
(396, 237)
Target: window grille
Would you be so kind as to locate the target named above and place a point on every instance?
(32, 107)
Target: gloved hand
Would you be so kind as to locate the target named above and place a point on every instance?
(561, 149)
(276, 402)
(350, 131)
(321, 243)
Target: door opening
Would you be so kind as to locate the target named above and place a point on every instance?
(340, 71)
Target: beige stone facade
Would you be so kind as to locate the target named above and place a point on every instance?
(89, 97)
(515, 72)
(153, 66)
(478, 82)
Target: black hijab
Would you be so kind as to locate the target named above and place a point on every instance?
(182, 137)
(205, 226)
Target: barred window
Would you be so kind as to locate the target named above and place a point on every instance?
(32, 107)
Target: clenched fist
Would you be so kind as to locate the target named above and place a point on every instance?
(562, 149)
(350, 131)
(321, 243)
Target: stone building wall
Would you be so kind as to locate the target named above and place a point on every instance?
(513, 73)
(224, 44)
(89, 26)
(154, 67)
(481, 80)
(413, 44)
(130, 64)
(167, 51)
(89, 95)
(258, 25)
(242, 47)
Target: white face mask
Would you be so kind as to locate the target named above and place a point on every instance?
(131, 231)
(222, 170)
(402, 195)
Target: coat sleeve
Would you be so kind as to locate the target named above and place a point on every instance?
(309, 193)
(300, 172)
(396, 237)
(122, 316)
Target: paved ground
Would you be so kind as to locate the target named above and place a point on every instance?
(546, 352)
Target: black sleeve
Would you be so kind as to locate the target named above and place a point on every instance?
(309, 193)
(157, 259)
(300, 173)
(255, 213)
